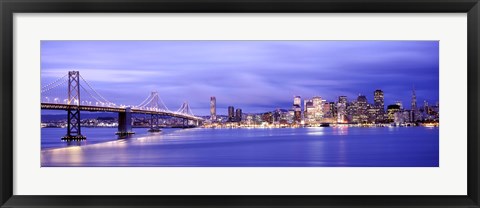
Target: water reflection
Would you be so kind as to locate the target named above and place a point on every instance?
(321, 147)
(76, 143)
(317, 131)
(340, 130)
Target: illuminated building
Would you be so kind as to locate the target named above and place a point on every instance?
(333, 110)
(379, 106)
(282, 116)
(314, 110)
(374, 115)
(378, 100)
(297, 115)
(342, 109)
(297, 102)
(267, 117)
(414, 105)
(213, 108)
(231, 113)
(290, 116)
(250, 120)
(308, 113)
(327, 110)
(391, 111)
(399, 103)
(318, 109)
(406, 115)
(238, 115)
(360, 115)
(351, 110)
(425, 106)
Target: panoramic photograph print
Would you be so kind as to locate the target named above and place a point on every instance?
(229, 103)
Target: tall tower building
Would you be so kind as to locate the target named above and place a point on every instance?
(378, 99)
(414, 100)
(317, 112)
(342, 109)
(238, 115)
(213, 108)
(425, 106)
(361, 109)
(231, 113)
(378, 106)
(414, 106)
(297, 108)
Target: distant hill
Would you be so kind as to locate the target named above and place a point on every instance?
(89, 115)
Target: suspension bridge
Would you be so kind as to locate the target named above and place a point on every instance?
(64, 94)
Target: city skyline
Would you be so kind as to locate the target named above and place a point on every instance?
(256, 76)
(370, 100)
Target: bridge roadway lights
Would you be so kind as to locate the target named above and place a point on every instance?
(125, 123)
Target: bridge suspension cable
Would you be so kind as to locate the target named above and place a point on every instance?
(98, 94)
(153, 101)
(57, 80)
(54, 84)
(93, 98)
(50, 87)
(185, 109)
(57, 92)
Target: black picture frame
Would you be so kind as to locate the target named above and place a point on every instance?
(9, 7)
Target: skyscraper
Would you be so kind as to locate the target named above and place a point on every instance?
(378, 105)
(378, 99)
(318, 109)
(414, 100)
(361, 109)
(231, 113)
(213, 108)
(238, 115)
(308, 111)
(297, 102)
(414, 105)
(425, 106)
(342, 109)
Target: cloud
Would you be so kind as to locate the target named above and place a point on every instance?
(252, 75)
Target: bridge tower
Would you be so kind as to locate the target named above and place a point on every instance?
(73, 113)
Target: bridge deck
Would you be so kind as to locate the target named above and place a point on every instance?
(57, 106)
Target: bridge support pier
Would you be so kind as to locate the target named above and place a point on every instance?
(185, 123)
(125, 123)
(154, 124)
(74, 132)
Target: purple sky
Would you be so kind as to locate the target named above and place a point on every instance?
(256, 76)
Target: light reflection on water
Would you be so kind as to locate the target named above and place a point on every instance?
(288, 147)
